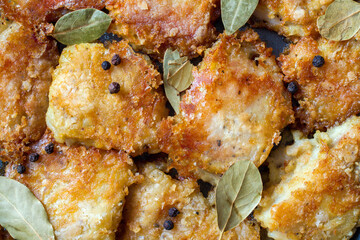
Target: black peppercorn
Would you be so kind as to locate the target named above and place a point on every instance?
(173, 212)
(173, 173)
(318, 61)
(105, 65)
(49, 148)
(293, 87)
(168, 225)
(20, 169)
(114, 87)
(116, 60)
(33, 157)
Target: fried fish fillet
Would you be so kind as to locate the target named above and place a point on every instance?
(147, 208)
(234, 110)
(318, 196)
(36, 12)
(26, 63)
(155, 25)
(82, 109)
(83, 190)
(328, 94)
(291, 18)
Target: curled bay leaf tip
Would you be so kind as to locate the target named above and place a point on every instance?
(237, 194)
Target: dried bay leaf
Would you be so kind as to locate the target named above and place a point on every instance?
(237, 194)
(173, 96)
(235, 13)
(341, 20)
(177, 77)
(21, 213)
(168, 57)
(182, 78)
(171, 93)
(81, 26)
(175, 64)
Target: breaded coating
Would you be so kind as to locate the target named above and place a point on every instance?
(291, 18)
(147, 208)
(82, 109)
(155, 25)
(328, 94)
(83, 190)
(26, 63)
(36, 12)
(318, 196)
(234, 110)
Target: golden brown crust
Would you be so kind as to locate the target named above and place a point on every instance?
(291, 18)
(328, 94)
(36, 12)
(318, 196)
(26, 63)
(83, 190)
(82, 110)
(234, 110)
(148, 204)
(153, 26)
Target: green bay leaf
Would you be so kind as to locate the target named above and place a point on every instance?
(237, 194)
(341, 20)
(81, 26)
(235, 13)
(21, 213)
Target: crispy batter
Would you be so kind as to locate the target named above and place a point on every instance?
(328, 94)
(26, 63)
(235, 108)
(82, 110)
(35, 12)
(153, 26)
(318, 196)
(148, 204)
(291, 18)
(83, 190)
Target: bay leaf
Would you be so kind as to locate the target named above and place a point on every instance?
(81, 26)
(177, 77)
(175, 64)
(341, 20)
(173, 96)
(182, 78)
(235, 13)
(237, 194)
(169, 56)
(21, 213)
